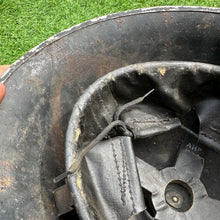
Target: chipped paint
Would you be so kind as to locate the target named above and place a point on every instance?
(99, 19)
(80, 186)
(5, 182)
(111, 77)
(78, 132)
(162, 71)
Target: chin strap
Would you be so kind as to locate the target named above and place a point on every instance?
(129, 104)
(78, 159)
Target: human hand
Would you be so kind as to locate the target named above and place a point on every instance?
(3, 68)
(2, 91)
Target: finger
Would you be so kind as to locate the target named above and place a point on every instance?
(2, 92)
(3, 68)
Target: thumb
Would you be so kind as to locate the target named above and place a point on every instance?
(2, 91)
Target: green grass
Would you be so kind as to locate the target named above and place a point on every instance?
(26, 23)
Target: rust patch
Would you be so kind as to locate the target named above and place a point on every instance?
(6, 181)
(203, 27)
(207, 25)
(168, 18)
(34, 80)
(119, 23)
(56, 128)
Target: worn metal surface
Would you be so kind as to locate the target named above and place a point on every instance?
(46, 82)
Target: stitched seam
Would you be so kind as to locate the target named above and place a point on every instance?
(210, 138)
(129, 181)
(152, 121)
(124, 176)
(118, 172)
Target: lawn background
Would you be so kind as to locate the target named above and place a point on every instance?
(26, 23)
